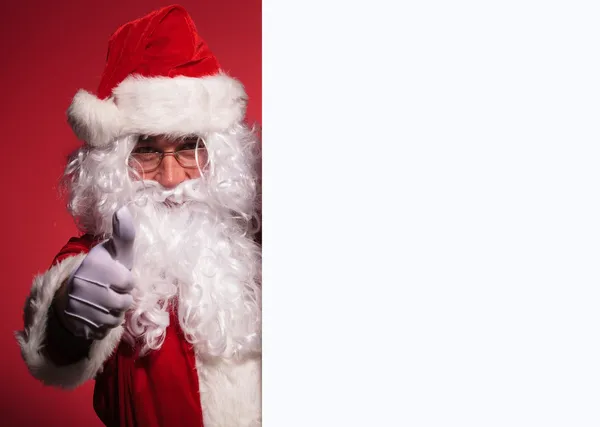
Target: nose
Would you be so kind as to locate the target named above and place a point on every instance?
(170, 173)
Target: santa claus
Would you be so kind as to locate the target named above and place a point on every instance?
(159, 300)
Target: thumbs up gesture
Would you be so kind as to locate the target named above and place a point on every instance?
(98, 292)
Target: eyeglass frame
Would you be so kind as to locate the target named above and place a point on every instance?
(173, 153)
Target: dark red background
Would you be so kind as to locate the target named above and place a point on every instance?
(48, 50)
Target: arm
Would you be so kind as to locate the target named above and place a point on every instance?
(61, 346)
(50, 345)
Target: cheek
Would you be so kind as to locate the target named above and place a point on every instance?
(202, 161)
(194, 173)
(142, 176)
(148, 175)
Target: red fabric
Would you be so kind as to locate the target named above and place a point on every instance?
(162, 43)
(61, 346)
(76, 246)
(158, 390)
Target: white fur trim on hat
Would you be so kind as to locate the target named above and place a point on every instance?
(175, 106)
(32, 338)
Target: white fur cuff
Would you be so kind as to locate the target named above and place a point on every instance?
(32, 338)
(175, 106)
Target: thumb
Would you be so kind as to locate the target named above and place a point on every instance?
(121, 244)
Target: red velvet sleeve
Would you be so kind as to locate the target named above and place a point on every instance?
(76, 246)
(62, 347)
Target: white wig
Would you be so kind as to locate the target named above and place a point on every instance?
(204, 258)
(98, 180)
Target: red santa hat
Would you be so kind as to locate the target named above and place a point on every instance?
(160, 78)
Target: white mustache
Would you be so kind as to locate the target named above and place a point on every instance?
(193, 190)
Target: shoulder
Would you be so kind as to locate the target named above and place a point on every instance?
(76, 246)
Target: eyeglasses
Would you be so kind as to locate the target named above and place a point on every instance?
(148, 158)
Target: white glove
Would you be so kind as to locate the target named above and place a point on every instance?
(98, 293)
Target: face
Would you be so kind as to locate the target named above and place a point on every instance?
(168, 161)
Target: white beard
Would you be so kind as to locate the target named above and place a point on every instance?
(192, 253)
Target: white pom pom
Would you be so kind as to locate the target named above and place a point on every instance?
(95, 121)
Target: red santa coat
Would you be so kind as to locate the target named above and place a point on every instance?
(160, 389)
